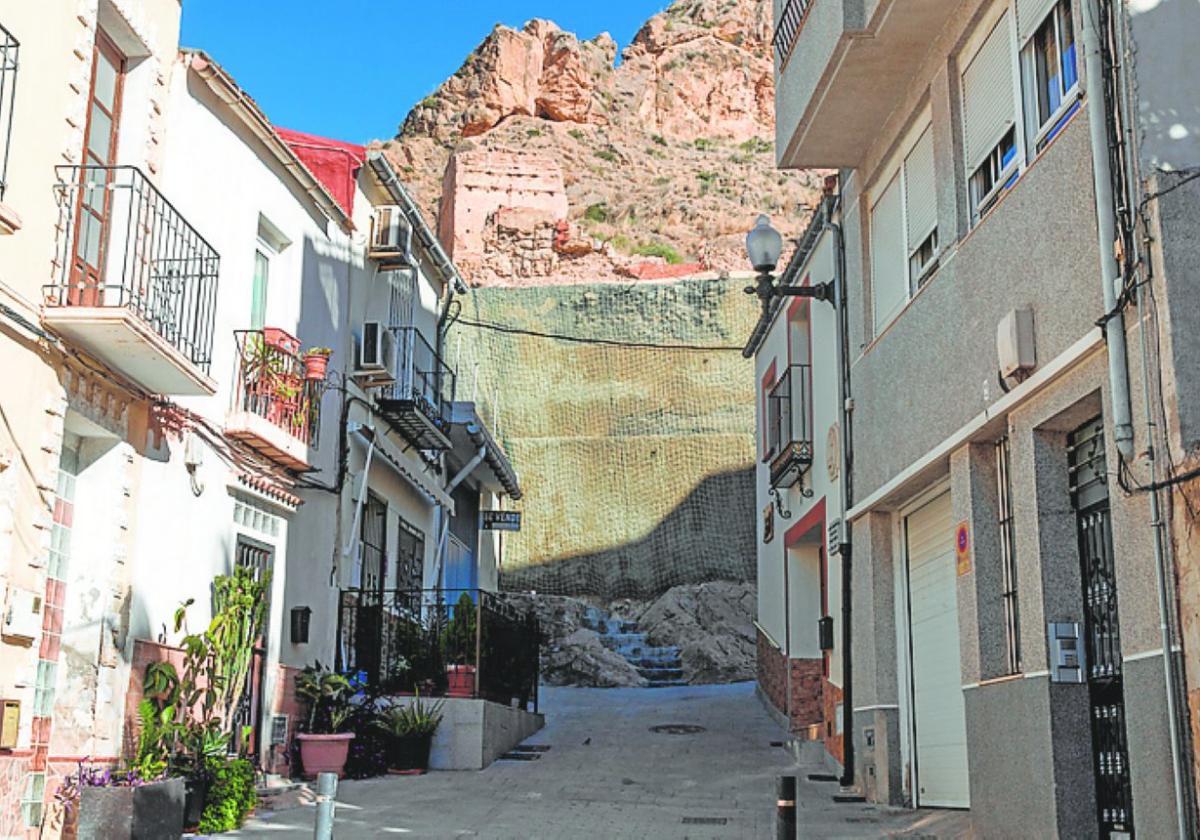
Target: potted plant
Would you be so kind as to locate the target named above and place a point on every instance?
(409, 728)
(325, 743)
(458, 644)
(316, 363)
(123, 803)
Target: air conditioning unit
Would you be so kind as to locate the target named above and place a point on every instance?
(376, 355)
(22, 618)
(391, 236)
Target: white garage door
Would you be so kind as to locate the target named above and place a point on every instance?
(939, 715)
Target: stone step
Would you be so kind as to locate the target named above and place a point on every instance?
(666, 662)
(667, 683)
(655, 674)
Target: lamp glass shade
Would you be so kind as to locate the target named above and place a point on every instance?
(764, 245)
(300, 621)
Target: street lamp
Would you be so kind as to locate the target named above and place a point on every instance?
(763, 247)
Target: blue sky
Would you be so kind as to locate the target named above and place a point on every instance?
(351, 69)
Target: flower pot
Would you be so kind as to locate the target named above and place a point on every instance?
(461, 680)
(324, 753)
(152, 811)
(409, 754)
(316, 366)
(281, 340)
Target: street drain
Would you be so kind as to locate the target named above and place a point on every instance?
(705, 820)
(519, 756)
(678, 729)
(531, 748)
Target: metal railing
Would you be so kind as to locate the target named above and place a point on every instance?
(271, 383)
(787, 27)
(9, 62)
(422, 377)
(123, 245)
(455, 642)
(789, 409)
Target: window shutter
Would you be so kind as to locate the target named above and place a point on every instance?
(1030, 14)
(889, 286)
(987, 91)
(920, 191)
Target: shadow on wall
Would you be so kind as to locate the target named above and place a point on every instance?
(709, 536)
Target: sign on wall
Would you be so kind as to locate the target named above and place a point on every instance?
(500, 520)
(962, 547)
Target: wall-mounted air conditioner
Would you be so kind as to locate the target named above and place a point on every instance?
(376, 362)
(391, 236)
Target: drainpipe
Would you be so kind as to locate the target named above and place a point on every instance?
(1114, 323)
(443, 524)
(844, 546)
(1163, 562)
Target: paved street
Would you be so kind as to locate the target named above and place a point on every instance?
(606, 775)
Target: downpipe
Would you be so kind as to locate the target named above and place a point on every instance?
(844, 538)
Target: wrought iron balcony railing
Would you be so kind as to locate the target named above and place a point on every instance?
(122, 245)
(9, 55)
(789, 426)
(274, 385)
(418, 401)
(787, 27)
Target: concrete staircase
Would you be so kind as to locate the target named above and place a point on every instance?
(661, 666)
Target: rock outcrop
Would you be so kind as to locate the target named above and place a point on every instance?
(712, 626)
(666, 157)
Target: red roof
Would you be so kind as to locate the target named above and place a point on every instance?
(335, 163)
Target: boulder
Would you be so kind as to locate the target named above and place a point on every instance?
(581, 659)
(713, 626)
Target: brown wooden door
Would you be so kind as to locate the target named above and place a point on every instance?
(94, 209)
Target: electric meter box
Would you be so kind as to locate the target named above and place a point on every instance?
(1067, 663)
(10, 723)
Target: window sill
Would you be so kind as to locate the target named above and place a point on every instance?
(10, 220)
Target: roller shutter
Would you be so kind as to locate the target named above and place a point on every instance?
(920, 192)
(889, 284)
(987, 92)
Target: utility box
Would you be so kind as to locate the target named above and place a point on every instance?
(22, 618)
(1067, 660)
(10, 722)
(825, 632)
(1014, 343)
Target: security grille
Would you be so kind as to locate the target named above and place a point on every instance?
(1008, 556)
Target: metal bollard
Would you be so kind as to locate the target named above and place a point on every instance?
(326, 791)
(785, 813)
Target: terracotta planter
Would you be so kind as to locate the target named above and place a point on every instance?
(316, 365)
(409, 754)
(281, 340)
(324, 753)
(461, 680)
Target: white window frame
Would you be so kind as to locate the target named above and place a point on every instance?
(1037, 135)
(921, 123)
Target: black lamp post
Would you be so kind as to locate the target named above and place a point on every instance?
(763, 246)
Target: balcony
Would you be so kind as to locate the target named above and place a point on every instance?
(789, 426)
(276, 406)
(136, 285)
(842, 66)
(9, 53)
(418, 400)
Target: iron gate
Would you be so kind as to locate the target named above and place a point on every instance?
(252, 554)
(1102, 636)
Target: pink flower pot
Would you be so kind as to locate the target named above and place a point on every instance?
(460, 680)
(324, 753)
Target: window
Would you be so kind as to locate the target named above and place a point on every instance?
(410, 557)
(1051, 76)
(1008, 557)
(258, 293)
(920, 210)
(373, 548)
(889, 286)
(989, 114)
(9, 49)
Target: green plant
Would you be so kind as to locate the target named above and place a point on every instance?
(458, 639)
(319, 351)
(659, 249)
(577, 134)
(596, 213)
(658, 139)
(327, 696)
(607, 154)
(703, 144)
(415, 718)
(533, 132)
(755, 145)
(231, 794)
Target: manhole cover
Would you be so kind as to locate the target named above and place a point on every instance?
(678, 729)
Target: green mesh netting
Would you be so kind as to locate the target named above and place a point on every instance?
(636, 463)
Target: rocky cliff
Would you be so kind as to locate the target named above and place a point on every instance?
(665, 156)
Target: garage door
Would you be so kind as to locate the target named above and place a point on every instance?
(938, 712)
